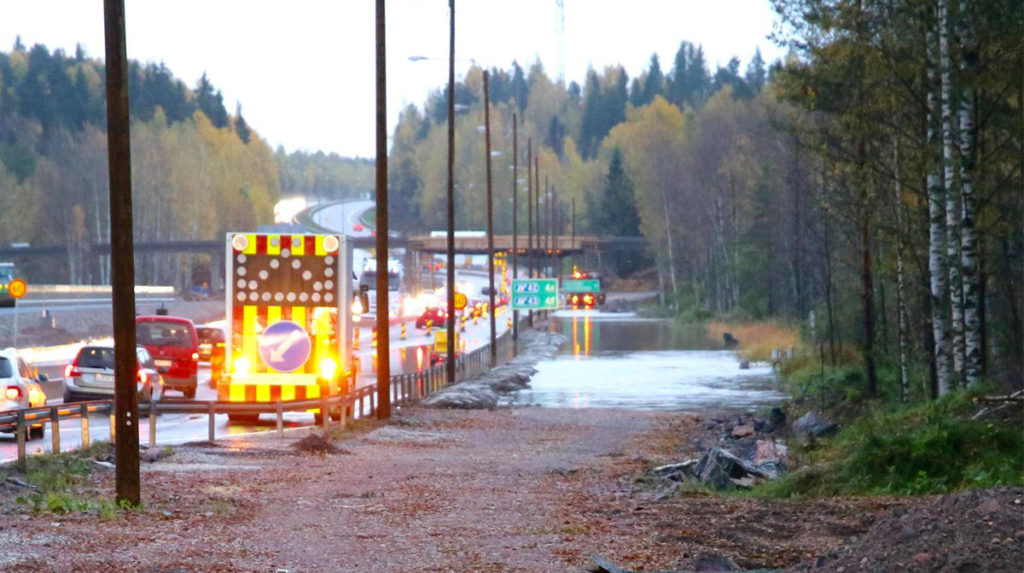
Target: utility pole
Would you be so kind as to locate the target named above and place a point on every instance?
(574, 232)
(536, 206)
(529, 219)
(515, 221)
(490, 219)
(383, 331)
(450, 362)
(122, 257)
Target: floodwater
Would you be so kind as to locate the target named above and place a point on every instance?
(621, 361)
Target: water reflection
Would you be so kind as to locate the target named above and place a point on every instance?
(622, 361)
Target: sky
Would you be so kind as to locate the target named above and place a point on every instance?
(305, 76)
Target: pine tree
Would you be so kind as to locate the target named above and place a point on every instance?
(520, 89)
(616, 215)
(755, 75)
(211, 103)
(241, 128)
(654, 84)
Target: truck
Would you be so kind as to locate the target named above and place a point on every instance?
(288, 319)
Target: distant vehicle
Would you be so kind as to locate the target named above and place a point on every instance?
(174, 345)
(211, 349)
(91, 375)
(7, 274)
(436, 315)
(20, 388)
(358, 227)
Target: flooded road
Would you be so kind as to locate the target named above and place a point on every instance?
(621, 361)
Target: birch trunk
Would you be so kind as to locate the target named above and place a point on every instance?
(968, 231)
(952, 229)
(901, 297)
(937, 242)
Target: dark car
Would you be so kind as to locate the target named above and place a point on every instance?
(436, 315)
(174, 345)
(211, 349)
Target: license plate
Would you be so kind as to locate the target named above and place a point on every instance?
(104, 377)
(164, 363)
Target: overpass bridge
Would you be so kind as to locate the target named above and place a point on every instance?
(590, 247)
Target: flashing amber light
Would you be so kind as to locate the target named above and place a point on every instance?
(239, 242)
(12, 393)
(242, 365)
(328, 368)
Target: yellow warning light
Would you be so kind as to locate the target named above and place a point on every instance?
(242, 365)
(239, 242)
(331, 243)
(328, 368)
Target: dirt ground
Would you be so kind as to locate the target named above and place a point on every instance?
(525, 489)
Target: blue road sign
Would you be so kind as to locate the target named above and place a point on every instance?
(285, 346)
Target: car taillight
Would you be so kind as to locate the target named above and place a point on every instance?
(72, 371)
(12, 393)
(195, 356)
(575, 299)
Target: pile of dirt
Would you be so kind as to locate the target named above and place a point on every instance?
(316, 444)
(973, 531)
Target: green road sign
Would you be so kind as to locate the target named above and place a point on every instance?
(581, 285)
(534, 294)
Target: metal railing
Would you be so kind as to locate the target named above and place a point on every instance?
(360, 402)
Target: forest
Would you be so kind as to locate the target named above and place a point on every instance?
(867, 188)
(197, 171)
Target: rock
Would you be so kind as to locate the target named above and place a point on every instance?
(811, 425)
(718, 469)
(103, 464)
(906, 534)
(922, 558)
(715, 562)
(770, 451)
(602, 565)
(729, 340)
(743, 430)
(988, 507)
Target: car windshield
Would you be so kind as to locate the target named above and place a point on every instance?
(5, 368)
(164, 334)
(96, 357)
(210, 335)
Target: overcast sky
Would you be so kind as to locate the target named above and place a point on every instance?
(303, 70)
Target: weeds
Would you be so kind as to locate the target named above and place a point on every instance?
(58, 480)
(924, 448)
(757, 340)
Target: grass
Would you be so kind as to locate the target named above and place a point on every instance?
(757, 340)
(923, 448)
(59, 480)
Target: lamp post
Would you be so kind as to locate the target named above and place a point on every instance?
(450, 361)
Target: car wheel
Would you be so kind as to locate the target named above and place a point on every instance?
(37, 433)
(68, 397)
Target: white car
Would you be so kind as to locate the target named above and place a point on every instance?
(20, 387)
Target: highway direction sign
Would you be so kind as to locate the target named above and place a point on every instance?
(284, 346)
(534, 294)
(581, 285)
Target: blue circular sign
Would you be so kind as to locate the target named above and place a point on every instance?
(284, 346)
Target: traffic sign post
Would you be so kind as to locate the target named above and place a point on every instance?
(534, 294)
(581, 285)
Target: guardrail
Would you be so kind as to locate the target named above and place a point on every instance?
(360, 402)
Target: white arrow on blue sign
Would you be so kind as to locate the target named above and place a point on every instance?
(285, 346)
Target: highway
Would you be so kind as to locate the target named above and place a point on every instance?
(408, 354)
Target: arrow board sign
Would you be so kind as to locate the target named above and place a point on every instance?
(284, 346)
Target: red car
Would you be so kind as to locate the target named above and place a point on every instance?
(174, 345)
(436, 315)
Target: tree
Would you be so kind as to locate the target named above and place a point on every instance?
(211, 103)
(755, 76)
(654, 82)
(241, 128)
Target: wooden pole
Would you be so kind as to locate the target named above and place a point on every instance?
(490, 221)
(515, 219)
(122, 257)
(383, 331)
(529, 219)
(450, 362)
